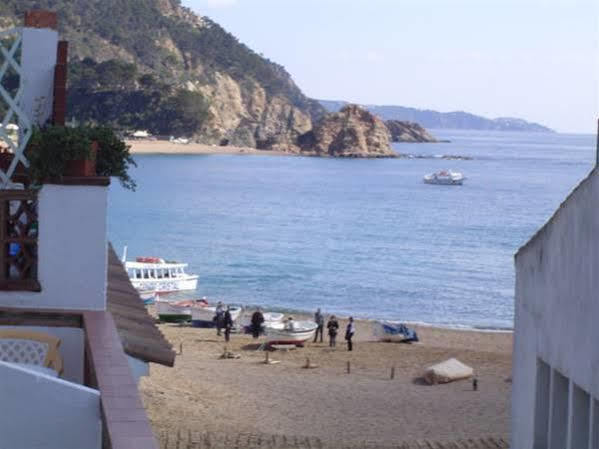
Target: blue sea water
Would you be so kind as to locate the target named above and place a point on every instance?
(360, 237)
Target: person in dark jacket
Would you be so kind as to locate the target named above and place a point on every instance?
(333, 327)
(219, 317)
(319, 320)
(350, 330)
(257, 320)
(228, 324)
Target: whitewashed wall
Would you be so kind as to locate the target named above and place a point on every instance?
(72, 261)
(557, 306)
(72, 349)
(38, 62)
(38, 411)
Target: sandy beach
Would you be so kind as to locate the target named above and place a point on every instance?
(166, 147)
(324, 406)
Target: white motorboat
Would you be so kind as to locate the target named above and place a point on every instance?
(177, 311)
(153, 274)
(301, 331)
(445, 177)
(269, 318)
(204, 316)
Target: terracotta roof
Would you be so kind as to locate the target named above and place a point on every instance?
(138, 332)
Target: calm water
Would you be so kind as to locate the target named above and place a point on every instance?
(361, 237)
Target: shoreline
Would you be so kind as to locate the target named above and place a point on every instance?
(165, 147)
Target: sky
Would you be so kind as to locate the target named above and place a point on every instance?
(532, 59)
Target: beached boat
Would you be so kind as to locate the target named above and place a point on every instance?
(279, 334)
(269, 319)
(153, 274)
(177, 311)
(395, 332)
(148, 297)
(204, 316)
(445, 177)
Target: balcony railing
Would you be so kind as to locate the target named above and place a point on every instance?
(18, 240)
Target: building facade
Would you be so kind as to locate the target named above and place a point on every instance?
(555, 394)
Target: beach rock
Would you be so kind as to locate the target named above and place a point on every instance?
(351, 132)
(447, 371)
(402, 131)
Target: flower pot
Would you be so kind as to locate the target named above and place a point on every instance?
(83, 167)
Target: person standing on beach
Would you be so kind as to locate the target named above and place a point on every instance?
(333, 327)
(228, 324)
(319, 320)
(349, 333)
(257, 320)
(219, 317)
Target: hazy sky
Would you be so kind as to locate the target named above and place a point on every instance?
(534, 59)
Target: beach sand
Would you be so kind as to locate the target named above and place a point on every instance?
(204, 394)
(166, 147)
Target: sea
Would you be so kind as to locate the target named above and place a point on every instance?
(361, 237)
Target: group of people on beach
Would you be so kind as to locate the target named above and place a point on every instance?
(333, 329)
(223, 320)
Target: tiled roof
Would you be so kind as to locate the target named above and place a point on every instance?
(137, 329)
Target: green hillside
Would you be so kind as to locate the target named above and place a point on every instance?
(152, 64)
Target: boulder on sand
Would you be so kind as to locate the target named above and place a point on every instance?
(447, 371)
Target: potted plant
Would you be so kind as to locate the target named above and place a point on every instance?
(56, 152)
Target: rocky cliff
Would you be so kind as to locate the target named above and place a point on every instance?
(402, 131)
(351, 132)
(168, 52)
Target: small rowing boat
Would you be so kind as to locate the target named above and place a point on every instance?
(281, 333)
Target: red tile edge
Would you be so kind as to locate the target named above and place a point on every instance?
(126, 425)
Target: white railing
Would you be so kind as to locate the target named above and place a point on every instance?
(11, 49)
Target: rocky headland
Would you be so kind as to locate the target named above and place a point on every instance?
(351, 132)
(403, 131)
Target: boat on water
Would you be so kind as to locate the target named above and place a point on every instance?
(178, 311)
(445, 177)
(203, 316)
(280, 334)
(153, 274)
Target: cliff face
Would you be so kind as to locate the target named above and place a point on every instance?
(251, 101)
(402, 131)
(351, 132)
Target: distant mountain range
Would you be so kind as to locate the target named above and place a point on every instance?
(444, 120)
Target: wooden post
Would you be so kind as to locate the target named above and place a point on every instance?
(266, 360)
(307, 362)
(348, 367)
(180, 348)
(392, 372)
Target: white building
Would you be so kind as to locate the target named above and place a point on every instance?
(74, 334)
(555, 396)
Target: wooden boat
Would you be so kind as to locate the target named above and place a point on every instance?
(177, 311)
(204, 316)
(280, 334)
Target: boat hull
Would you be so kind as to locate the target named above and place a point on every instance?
(166, 285)
(172, 313)
(278, 335)
(204, 316)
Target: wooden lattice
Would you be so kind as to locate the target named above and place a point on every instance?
(18, 240)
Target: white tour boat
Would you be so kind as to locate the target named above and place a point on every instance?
(279, 334)
(445, 177)
(153, 274)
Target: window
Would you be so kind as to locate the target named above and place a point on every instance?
(19, 238)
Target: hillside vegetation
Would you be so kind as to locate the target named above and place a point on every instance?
(155, 64)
